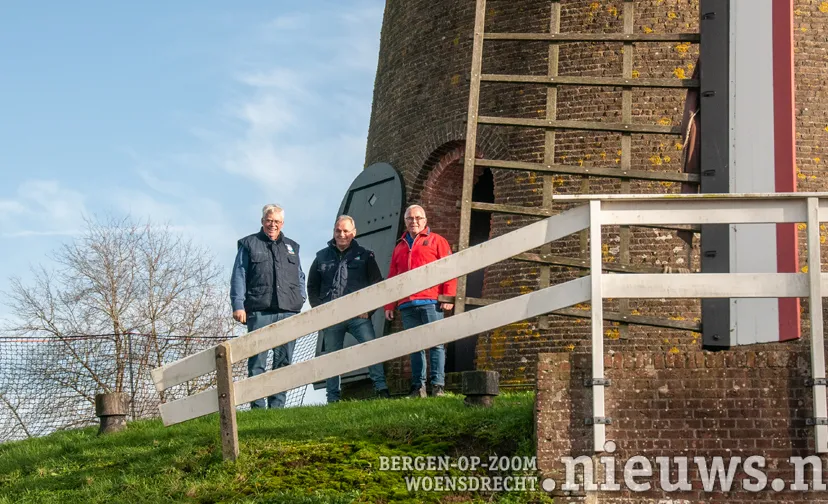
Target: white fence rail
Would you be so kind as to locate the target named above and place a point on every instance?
(601, 210)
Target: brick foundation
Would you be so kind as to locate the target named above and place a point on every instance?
(734, 403)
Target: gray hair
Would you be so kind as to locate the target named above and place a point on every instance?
(272, 208)
(347, 218)
(412, 207)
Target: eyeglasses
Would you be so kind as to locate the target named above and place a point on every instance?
(412, 219)
(272, 222)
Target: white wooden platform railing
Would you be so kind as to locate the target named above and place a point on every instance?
(595, 212)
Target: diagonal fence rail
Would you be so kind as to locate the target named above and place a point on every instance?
(599, 211)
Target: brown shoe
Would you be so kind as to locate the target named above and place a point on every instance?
(418, 391)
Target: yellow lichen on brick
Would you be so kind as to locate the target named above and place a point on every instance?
(821, 239)
(506, 283)
(667, 159)
(524, 289)
(612, 10)
(682, 48)
(679, 146)
(800, 175)
(635, 312)
(677, 317)
(612, 333)
(804, 269)
(691, 66)
(675, 351)
(679, 73)
(570, 347)
(802, 226)
(823, 7)
(817, 160)
(647, 29)
(665, 121)
(635, 74)
(497, 347)
(603, 155)
(656, 160)
(672, 15)
(594, 6)
(580, 162)
(803, 29)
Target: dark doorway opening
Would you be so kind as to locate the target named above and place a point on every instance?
(460, 354)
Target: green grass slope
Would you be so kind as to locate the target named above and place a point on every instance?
(316, 454)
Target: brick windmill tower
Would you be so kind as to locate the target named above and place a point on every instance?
(418, 125)
(616, 62)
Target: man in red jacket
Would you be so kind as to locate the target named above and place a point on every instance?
(419, 246)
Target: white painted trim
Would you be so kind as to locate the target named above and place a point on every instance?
(690, 196)
(706, 285)
(815, 293)
(713, 211)
(599, 431)
(383, 349)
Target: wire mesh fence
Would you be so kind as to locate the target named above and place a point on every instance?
(49, 384)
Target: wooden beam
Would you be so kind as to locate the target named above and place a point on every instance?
(471, 144)
(662, 322)
(580, 125)
(597, 37)
(384, 349)
(591, 81)
(584, 264)
(462, 263)
(226, 402)
(590, 171)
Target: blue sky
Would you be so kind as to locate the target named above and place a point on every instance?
(191, 113)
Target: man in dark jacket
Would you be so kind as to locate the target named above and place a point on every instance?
(267, 286)
(341, 268)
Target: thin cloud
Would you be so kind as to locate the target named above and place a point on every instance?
(31, 232)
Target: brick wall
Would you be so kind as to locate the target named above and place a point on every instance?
(420, 105)
(736, 403)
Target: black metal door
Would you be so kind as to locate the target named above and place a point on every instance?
(376, 202)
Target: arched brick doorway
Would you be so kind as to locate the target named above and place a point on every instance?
(440, 196)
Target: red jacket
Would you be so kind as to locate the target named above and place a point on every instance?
(427, 247)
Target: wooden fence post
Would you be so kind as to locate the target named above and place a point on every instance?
(227, 403)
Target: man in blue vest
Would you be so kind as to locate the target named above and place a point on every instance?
(267, 286)
(341, 268)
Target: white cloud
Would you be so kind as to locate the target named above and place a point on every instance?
(10, 208)
(42, 208)
(287, 22)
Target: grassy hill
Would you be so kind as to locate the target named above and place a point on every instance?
(315, 454)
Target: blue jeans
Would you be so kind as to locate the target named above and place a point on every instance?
(334, 339)
(282, 356)
(414, 316)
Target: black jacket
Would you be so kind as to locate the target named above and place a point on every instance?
(272, 277)
(334, 274)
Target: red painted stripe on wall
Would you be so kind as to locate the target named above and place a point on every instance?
(787, 253)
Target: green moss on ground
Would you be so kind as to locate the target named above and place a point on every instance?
(315, 454)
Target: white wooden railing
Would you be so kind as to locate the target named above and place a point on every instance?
(595, 212)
